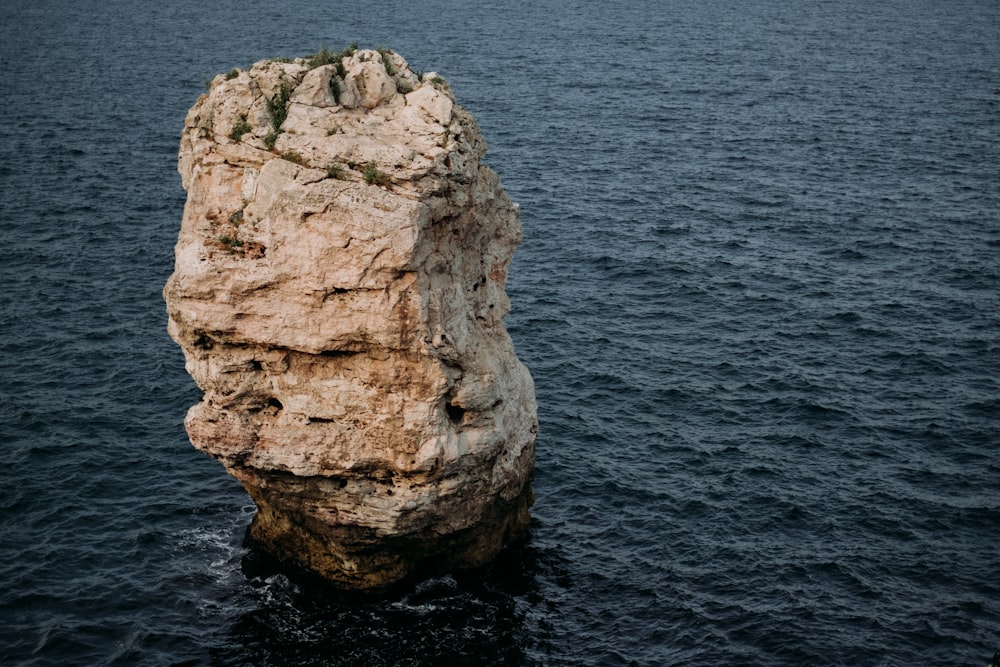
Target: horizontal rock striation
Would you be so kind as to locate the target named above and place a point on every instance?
(339, 297)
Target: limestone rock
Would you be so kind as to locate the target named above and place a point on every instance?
(339, 297)
(317, 88)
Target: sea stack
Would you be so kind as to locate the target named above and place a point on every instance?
(338, 294)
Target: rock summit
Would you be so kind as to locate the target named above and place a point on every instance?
(338, 294)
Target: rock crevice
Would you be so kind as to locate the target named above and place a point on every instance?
(339, 297)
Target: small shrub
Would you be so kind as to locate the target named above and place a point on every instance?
(373, 176)
(232, 74)
(439, 82)
(326, 57)
(232, 243)
(336, 171)
(403, 87)
(240, 129)
(346, 53)
(277, 106)
(236, 218)
(386, 54)
(293, 156)
(322, 57)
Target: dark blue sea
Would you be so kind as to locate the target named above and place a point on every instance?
(759, 291)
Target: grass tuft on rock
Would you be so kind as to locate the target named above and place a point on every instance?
(277, 106)
(373, 176)
(327, 57)
(231, 243)
(240, 129)
(386, 54)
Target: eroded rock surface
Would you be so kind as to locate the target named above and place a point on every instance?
(339, 297)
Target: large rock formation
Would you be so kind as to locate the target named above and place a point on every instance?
(339, 297)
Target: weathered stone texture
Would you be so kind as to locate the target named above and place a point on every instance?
(339, 298)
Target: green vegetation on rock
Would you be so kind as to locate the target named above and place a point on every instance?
(373, 176)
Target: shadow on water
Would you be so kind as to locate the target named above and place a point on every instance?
(473, 617)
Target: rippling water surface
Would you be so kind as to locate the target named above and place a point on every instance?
(759, 291)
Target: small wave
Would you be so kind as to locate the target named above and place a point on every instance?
(849, 317)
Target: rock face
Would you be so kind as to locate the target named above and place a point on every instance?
(339, 296)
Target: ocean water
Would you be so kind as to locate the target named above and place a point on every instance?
(759, 291)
